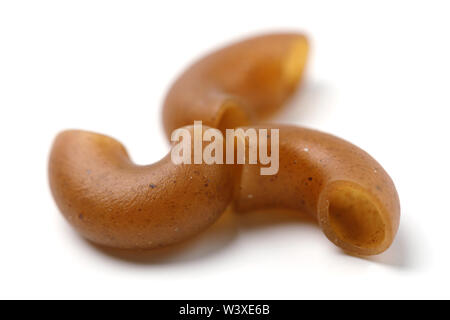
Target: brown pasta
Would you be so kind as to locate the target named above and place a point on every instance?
(351, 195)
(115, 203)
(237, 85)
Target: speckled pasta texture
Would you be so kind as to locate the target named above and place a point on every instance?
(351, 195)
(113, 202)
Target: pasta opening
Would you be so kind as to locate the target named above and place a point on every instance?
(294, 62)
(354, 218)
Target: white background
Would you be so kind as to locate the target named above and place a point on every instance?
(379, 76)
